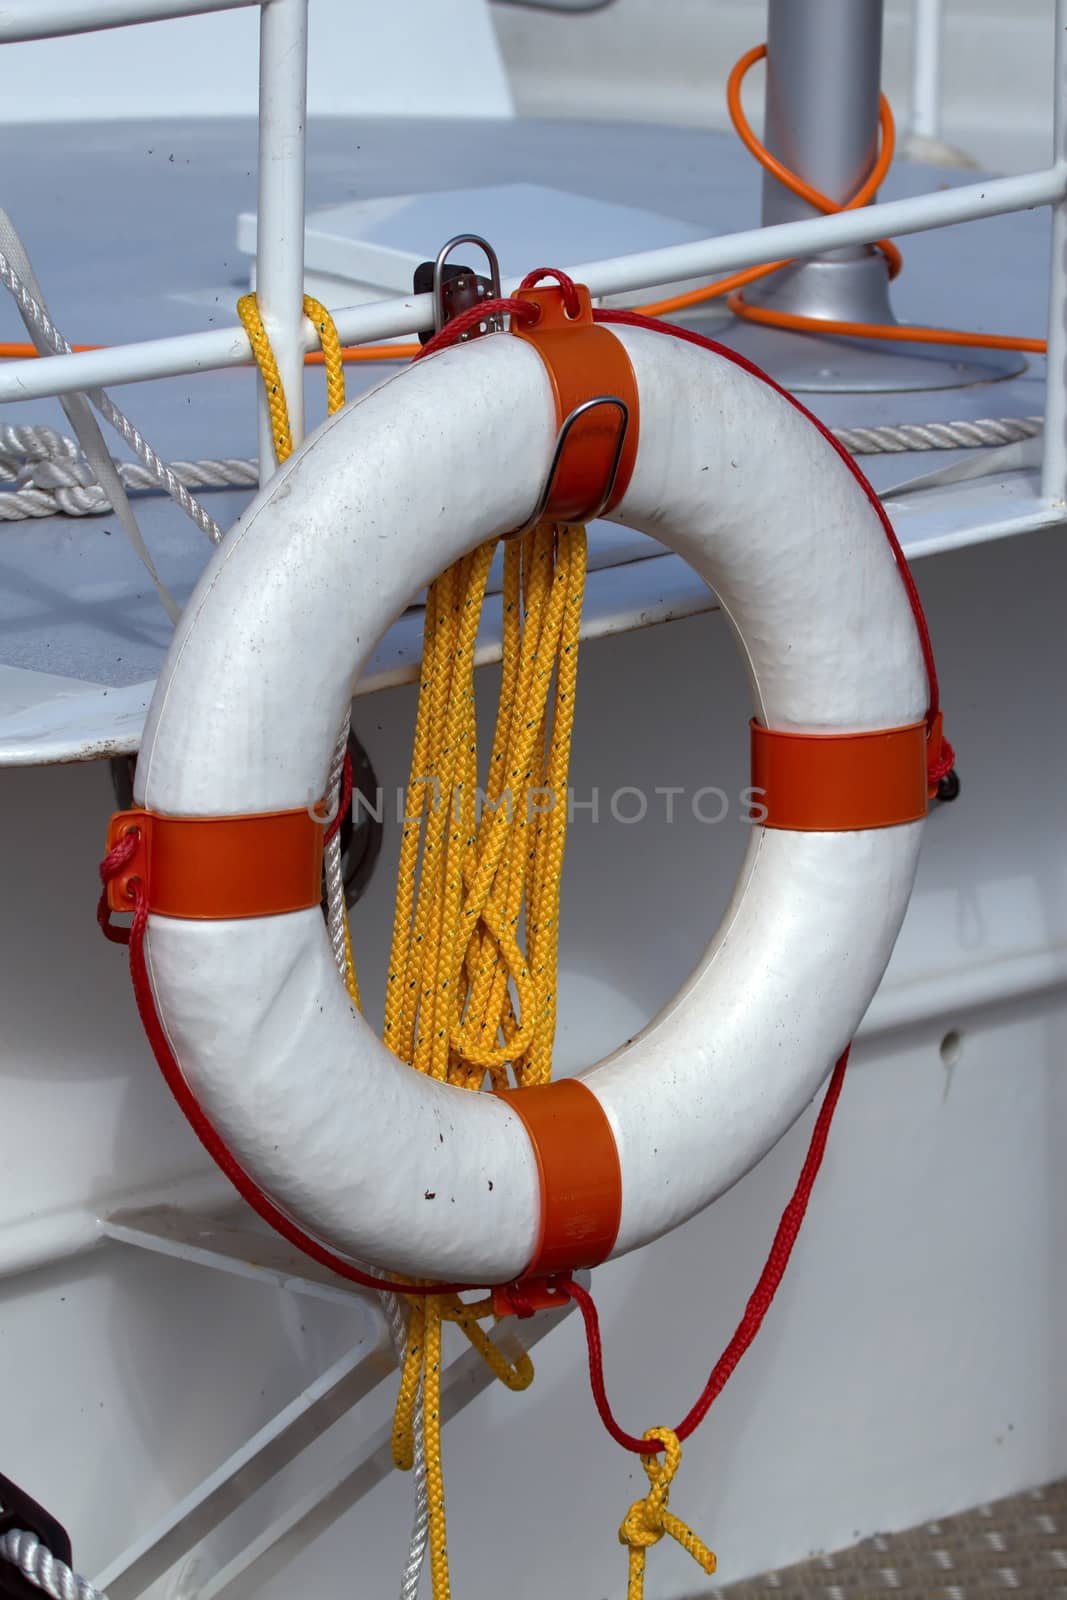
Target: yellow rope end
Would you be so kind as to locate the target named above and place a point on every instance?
(649, 1519)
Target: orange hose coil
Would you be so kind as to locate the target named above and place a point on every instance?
(770, 318)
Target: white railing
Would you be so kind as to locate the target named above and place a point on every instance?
(926, 33)
(280, 235)
(280, 198)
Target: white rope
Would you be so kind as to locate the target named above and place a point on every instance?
(420, 1524)
(52, 477)
(37, 1563)
(984, 434)
(394, 1315)
(160, 474)
(21, 279)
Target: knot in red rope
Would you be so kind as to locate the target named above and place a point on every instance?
(572, 305)
(117, 859)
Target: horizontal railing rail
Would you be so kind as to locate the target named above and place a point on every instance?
(385, 319)
(23, 20)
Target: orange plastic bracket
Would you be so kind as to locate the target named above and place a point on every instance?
(207, 868)
(578, 1168)
(839, 782)
(585, 363)
(524, 1298)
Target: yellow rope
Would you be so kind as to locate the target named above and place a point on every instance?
(649, 1519)
(248, 311)
(464, 999)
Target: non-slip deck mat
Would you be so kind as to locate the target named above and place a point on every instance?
(1014, 1547)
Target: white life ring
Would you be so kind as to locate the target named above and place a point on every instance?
(343, 1137)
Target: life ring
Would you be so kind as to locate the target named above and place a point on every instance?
(342, 1136)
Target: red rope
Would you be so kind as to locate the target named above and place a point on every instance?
(755, 1311)
(118, 857)
(572, 305)
(458, 325)
(344, 800)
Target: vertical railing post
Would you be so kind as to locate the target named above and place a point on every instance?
(280, 223)
(1054, 469)
(927, 22)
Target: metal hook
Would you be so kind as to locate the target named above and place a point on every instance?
(557, 457)
(495, 323)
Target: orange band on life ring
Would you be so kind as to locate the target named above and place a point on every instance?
(584, 361)
(208, 868)
(839, 782)
(578, 1166)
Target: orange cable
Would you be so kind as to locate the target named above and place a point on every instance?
(768, 317)
(314, 358)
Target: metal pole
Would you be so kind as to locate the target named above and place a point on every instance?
(280, 218)
(1054, 468)
(926, 68)
(824, 74)
(824, 66)
(824, 71)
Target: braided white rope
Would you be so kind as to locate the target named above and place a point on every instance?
(983, 434)
(52, 477)
(420, 1523)
(391, 1307)
(37, 1563)
(35, 314)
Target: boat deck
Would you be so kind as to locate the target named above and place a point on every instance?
(82, 633)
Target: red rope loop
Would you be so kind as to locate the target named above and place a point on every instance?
(118, 857)
(572, 305)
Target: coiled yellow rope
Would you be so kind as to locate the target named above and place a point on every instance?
(464, 999)
(478, 869)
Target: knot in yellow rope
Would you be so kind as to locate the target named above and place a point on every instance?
(649, 1519)
(317, 314)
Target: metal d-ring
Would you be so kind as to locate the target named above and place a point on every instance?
(439, 318)
(557, 456)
